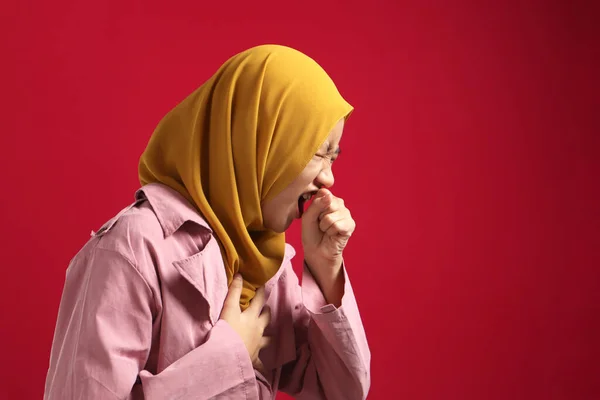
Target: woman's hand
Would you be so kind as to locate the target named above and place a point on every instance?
(326, 228)
(249, 324)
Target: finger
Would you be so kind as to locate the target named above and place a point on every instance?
(232, 301)
(344, 227)
(259, 366)
(322, 200)
(257, 303)
(265, 341)
(331, 219)
(336, 204)
(265, 317)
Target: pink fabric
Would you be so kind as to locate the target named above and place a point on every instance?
(139, 319)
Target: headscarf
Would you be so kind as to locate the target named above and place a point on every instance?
(239, 140)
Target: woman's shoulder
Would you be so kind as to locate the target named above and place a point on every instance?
(158, 213)
(121, 244)
(160, 224)
(130, 231)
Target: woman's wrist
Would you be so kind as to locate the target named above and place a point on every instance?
(330, 279)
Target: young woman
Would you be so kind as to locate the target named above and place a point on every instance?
(189, 292)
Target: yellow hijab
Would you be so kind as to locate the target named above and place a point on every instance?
(240, 139)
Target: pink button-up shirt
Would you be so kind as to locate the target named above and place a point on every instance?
(139, 319)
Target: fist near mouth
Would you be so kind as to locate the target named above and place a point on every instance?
(327, 225)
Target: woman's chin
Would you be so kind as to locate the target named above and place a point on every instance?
(280, 226)
(281, 223)
(290, 220)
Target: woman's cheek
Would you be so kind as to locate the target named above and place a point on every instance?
(311, 171)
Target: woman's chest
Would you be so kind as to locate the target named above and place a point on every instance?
(192, 287)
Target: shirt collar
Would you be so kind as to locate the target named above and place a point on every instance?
(171, 208)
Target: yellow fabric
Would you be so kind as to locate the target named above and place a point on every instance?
(239, 140)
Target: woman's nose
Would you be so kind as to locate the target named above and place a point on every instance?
(325, 178)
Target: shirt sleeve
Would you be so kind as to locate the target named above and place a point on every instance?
(104, 334)
(332, 353)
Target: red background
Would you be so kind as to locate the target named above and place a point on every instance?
(471, 165)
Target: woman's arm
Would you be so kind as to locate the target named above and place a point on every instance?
(332, 353)
(104, 334)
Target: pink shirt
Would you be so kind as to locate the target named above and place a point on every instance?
(139, 319)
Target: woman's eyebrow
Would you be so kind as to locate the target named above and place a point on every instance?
(337, 151)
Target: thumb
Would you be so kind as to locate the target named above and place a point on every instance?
(232, 301)
(320, 203)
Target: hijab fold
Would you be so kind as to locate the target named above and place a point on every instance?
(239, 140)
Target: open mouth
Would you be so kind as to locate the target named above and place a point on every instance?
(303, 201)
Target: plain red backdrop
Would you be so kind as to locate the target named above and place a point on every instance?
(471, 165)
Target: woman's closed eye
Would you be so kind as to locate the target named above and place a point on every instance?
(329, 157)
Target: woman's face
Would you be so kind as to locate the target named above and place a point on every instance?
(280, 211)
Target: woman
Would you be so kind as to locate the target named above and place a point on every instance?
(189, 292)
